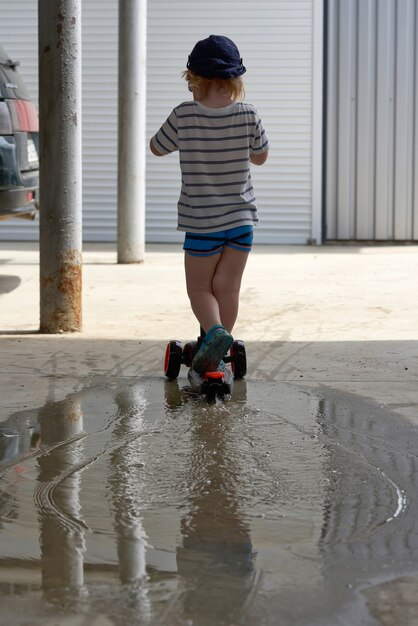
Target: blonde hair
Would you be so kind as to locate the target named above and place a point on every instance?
(233, 87)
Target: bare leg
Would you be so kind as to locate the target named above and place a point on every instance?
(226, 284)
(199, 276)
(213, 286)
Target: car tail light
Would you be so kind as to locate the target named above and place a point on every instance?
(24, 116)
(5, 121)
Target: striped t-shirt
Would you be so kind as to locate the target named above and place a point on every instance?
(215, 146)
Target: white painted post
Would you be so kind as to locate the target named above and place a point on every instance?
(132, 130)
(317, 113)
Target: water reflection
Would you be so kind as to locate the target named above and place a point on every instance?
(313, 481)
(369, 529)
(216, 558)
(360, 511)
(17, 437)
(176, 397)
(62, 540)
(125, 482)
(57, 498)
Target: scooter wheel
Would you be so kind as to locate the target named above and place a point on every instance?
(238, 360)
(173, 359)
(189, 352)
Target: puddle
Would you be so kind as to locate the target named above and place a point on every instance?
(137, 503)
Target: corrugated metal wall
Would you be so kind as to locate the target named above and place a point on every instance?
(276, 39)
(372, 120)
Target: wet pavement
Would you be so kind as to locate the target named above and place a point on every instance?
(124, 500)
(135, 502)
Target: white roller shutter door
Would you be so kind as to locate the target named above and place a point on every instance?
(18, 34)
(275, 38)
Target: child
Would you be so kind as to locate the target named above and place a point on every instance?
(217, 138)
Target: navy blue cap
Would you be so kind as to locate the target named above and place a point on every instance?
(216, 57)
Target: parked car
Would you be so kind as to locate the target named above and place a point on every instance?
(19, 144)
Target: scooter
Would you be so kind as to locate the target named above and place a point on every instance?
(213, 385)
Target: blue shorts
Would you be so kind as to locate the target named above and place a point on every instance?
(207, 244)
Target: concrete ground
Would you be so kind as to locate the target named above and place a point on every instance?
(344, 317)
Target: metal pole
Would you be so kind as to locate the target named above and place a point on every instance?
(60, 165)
(132, 130)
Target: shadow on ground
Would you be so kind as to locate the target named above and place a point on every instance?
(9, 283)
